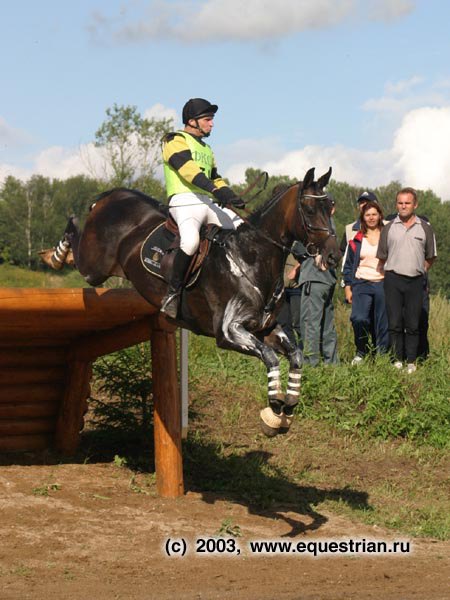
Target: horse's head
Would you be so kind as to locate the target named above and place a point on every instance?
(315, 228)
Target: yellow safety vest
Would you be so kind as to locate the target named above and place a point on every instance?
(202, 155)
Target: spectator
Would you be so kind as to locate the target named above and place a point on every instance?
(289, 316)
(424, 347)
(363, 278)
(317, 331)
(408, 249)
(352, 228)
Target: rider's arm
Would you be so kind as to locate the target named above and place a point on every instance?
(178, 154)
(217, 179)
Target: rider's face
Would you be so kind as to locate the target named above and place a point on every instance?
(205, 124)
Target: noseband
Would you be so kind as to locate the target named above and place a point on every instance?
(311, 247)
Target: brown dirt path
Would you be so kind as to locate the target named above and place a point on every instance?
(94, 536)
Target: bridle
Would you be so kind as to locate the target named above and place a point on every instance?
(311, 247)
(308, 228)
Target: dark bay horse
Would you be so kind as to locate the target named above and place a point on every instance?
(239, 291)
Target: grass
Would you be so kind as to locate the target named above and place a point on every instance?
(11, 276)
(370, 443)
(372, 400)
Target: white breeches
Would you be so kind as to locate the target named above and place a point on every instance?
(191, 211)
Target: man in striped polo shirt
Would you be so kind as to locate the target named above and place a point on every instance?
(193, 186)
(408, 249)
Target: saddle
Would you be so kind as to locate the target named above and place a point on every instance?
(158, 250)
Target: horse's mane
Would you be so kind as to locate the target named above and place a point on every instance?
(129, 193)
(277, 192)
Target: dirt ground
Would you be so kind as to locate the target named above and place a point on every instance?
(78, 531)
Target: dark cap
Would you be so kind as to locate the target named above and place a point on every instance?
(366, 197)
(196, 108)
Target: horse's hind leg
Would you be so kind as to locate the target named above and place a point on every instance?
(59, 256)
(280, 342)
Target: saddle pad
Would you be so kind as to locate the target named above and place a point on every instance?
(155, 247)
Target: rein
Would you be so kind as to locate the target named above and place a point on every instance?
(264, 175)
(306, 225)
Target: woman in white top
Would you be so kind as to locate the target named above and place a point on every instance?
(364, 290)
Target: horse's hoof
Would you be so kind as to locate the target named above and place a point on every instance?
(270, 422)
(286, 422)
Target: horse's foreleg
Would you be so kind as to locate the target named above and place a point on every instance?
(280, 342)
(235, 336)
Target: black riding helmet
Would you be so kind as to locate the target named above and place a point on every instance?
(195, 108)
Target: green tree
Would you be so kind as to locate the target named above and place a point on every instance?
(72, 196)
(25, 210)
(132, 145)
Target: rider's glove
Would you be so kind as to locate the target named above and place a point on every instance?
(225, 195)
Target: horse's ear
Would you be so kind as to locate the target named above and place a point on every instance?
(323, 181)
(308, 180)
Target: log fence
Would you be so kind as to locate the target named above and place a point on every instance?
(49, 339)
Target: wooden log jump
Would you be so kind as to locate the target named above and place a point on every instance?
(48, 341)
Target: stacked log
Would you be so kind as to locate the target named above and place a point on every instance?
(48, 340)
(32, 380)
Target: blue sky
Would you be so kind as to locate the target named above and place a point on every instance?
(362, 85)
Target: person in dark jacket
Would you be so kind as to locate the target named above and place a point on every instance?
(363, 278)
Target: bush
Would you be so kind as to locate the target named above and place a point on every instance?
(123, 391)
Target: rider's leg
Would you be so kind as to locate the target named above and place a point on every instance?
(189, 212)
(170, 302)
(224, 217)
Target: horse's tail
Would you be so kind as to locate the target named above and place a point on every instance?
(66, 250)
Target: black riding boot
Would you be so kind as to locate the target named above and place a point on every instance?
(169, 304)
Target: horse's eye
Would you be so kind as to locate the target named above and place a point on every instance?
(309, 209)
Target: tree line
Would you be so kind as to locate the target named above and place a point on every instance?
(33, 213)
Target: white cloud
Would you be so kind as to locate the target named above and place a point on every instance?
(7, 170)
(389, 10)
(403, 85)
(418, 156)
(403, 95)
(159, 111)
(224, 20)
(422, 149)
(261, 19)
(349, 164)
(60, 162)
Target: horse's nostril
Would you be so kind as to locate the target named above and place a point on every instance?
(332, 261)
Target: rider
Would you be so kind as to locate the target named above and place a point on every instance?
(192, 182)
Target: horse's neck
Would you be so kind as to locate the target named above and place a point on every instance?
(276, 222)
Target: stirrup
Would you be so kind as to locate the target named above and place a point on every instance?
(170, 304)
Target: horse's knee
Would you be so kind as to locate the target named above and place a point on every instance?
(296, 359)
(269, 357)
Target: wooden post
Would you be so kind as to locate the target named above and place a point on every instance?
(167, 415)
(69, 419)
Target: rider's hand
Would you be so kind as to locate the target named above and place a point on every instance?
(225, 195)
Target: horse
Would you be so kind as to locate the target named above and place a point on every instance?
(240, 287)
